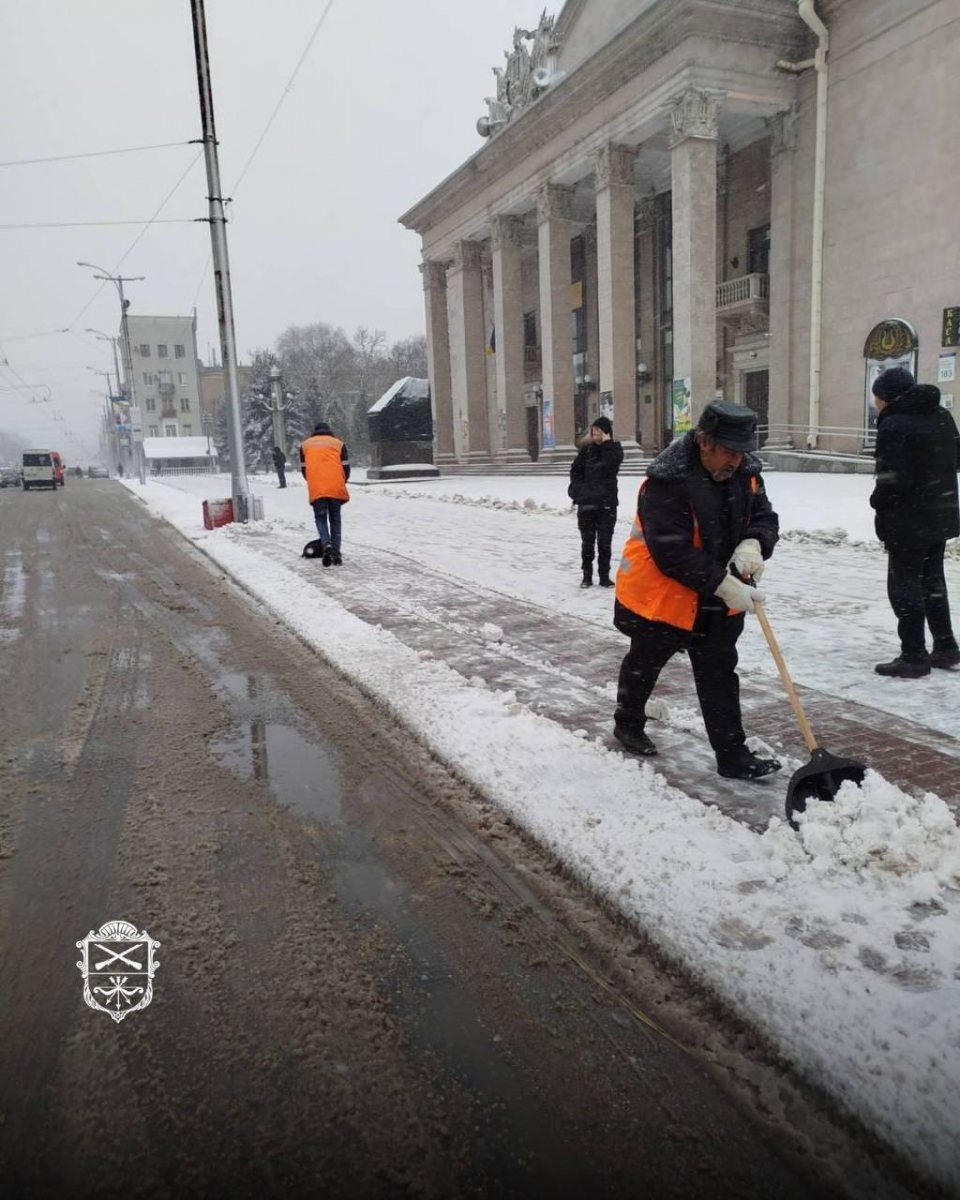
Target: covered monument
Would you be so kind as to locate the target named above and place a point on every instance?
(401, 432)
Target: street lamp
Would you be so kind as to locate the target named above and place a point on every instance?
(105, 337)
(120, 280)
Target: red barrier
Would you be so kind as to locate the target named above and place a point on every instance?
(217, 513)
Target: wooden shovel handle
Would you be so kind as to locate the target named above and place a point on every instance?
(801, 716)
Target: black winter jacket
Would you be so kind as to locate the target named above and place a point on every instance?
(593, 475)
(678, 487)
(918, 456)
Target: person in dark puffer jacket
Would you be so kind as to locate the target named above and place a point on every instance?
(915, 498)
(593, 488)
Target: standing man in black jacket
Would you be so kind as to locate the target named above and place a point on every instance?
(593, 488)
(915, 498)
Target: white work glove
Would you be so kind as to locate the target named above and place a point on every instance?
(736, 594)
(748, 559)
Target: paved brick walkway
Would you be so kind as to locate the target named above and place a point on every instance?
(567, 671)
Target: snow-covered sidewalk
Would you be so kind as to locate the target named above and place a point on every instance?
(457, 609)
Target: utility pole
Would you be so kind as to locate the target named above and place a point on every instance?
(221, 267)
(278, 408)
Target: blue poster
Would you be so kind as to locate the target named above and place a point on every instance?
(548, 437)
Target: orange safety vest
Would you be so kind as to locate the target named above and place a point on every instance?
(644, 589)
(321, 460)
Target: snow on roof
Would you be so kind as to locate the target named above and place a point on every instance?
(177, 447)
(409, 384)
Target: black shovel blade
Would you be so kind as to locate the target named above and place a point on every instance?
(820, 779)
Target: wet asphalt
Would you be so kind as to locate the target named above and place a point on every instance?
(369, 984)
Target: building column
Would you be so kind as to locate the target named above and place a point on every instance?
(616, 302)
(554, 219)
(438, 360)
(508, 327)
(783, 367)
(693, 146)
(651, 399)
(471, 429)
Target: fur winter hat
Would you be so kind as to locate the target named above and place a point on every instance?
(893, 383)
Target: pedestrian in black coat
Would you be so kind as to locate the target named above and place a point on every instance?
(915, 498)
(280, 462)
(593, 488)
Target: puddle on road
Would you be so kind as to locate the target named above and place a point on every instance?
(298, 772)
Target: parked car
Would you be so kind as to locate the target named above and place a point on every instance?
(39, 470)
(9, 477)
(99, 473)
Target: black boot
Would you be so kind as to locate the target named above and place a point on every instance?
(945, 659)
(327, 554)
(337, 558)
(605, 580)
(587, 580)
(634, 740)
(904, 668)
(744, 764)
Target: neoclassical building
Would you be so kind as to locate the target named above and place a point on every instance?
(677, 199)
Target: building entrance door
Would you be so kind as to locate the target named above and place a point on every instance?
(533, 432)
(756, 396)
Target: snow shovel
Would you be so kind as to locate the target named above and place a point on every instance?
(821, 778)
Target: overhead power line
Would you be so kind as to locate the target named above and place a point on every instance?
(283, 94)
(266, 129)
(89, 224)
(129, 250)
(29, 162)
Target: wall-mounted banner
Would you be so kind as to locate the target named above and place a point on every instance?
(951, 327)
(682, 405)
(549, 441)
(947, 371)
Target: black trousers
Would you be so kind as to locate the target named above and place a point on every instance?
(918, 594)
(713, 657)
(596, 527)
(282, 474)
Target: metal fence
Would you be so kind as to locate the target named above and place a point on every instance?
(854, 441)
(212, 469)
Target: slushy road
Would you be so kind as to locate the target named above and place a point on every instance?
(369, 984)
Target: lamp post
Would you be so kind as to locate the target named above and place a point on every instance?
(120, 280)
(104, 337)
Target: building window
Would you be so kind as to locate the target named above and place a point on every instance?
(147, 377)
(170, 430)
(758, 251)
(187, 430)
(151, 404)
(179, 352)
(184, 404)
(181, 377)
(162, 350)
(154, 431)
(144, 350)
(530, 329)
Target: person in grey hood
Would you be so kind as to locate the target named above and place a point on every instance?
(915, 499)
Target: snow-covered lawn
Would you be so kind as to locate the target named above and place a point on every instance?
(842, 943)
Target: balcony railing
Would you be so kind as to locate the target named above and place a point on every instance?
(531, 355)
(747, 291)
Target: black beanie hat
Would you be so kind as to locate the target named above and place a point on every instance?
(604, 424)
(893, 383)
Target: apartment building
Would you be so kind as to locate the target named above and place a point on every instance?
(166, 374)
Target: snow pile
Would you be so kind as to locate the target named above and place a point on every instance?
(528, 505)
(876, 832)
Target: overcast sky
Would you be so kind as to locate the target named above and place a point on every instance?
(383, 108)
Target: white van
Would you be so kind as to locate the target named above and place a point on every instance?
(39, 469)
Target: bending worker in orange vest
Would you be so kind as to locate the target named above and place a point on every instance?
(702, 515)
(325, 465)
